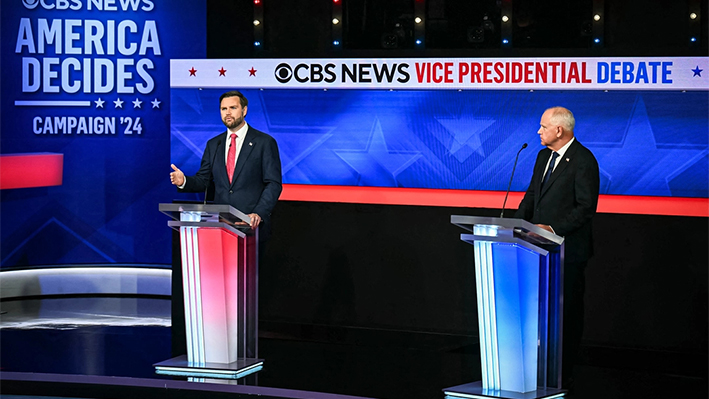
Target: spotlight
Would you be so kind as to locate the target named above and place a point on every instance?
(596, 40)
(257, 1)
(336, 42)
(417, 20)
(257, 22)
(257, 44)
(505, 41)
(335, 21)
(693, 15)
(505, 18)
(692, 39)
(418, 41)
(596, 17)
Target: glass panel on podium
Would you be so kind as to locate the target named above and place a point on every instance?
(219, 252)
(519, 282)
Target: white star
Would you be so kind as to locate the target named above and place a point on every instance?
(99, 103)
(137, 103)
(118, 103)
(156, 103)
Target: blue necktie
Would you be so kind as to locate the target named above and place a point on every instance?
(554, 155)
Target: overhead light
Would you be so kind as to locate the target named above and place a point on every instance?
(597, 17)
(257, 22)
(505, 18)
(693, 15)
(417, 20)
(335, 21)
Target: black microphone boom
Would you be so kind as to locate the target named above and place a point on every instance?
(502, 214)
(214, 158)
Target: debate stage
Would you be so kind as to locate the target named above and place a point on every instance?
(104, 346)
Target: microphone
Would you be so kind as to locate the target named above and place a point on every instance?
(214, 158)
(502, 214)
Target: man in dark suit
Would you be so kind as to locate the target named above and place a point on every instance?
(243, 162)
(562, 198)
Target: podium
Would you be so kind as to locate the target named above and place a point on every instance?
(219, 252)
(519, 271)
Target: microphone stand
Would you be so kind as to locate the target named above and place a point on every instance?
(502, 214)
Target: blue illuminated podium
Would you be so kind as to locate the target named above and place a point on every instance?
(519, 271)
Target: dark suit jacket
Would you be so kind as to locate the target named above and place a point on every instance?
(257, 176)
(568, 201)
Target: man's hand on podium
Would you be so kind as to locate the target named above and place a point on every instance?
(255, 220)
(546, 227)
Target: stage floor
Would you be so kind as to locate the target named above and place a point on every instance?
(89, 347)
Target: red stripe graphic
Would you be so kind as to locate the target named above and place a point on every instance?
(674, 206)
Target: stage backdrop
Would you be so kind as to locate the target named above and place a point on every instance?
(85, 127)
(363, 130)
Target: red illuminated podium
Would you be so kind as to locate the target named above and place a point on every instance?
(220, 282)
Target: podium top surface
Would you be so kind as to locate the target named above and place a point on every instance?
(517, 227)
(206, 212)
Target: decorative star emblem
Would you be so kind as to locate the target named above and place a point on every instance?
(193, 72)
(222, 72)
(137, 103)
(252, 71)
(660, 164)
(463, 135)
(118, 103)
(697, 71)
(377, 164)
(99, 103)
(156, 103)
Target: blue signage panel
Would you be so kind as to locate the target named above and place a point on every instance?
(89, 79)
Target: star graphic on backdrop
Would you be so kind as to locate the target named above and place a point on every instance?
(462, 138)
(156, 103)
(297, 142)
(252, 71)
(697, 71)
(222, 72)
(638, 165)
(377, 155)
(99, 103)
(137, 103)
(193, 72)
(118, 103)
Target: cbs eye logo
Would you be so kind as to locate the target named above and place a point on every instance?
(30, 4)
(283, 73)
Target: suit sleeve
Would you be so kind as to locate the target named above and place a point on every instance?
(586, 189)
(200, 181)
(526, 207)
(271, 169)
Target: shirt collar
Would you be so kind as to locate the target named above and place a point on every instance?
(563, 149)
(240, 134)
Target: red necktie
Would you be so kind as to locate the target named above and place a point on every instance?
(231, 158)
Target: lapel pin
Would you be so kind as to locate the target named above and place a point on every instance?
(567, 159)
(252, 144)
